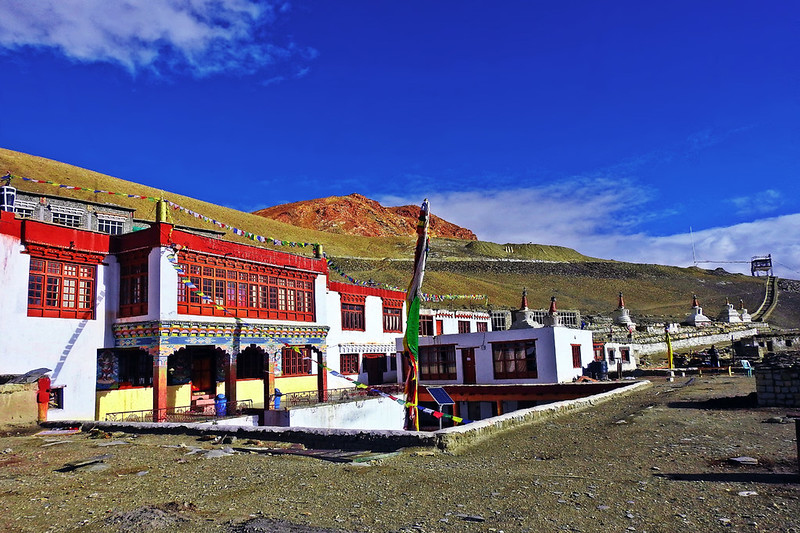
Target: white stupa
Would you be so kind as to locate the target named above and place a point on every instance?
(696, 317)
(729, 314)
(524, 318)
(552, 319)
(622, 316)
(744, 316)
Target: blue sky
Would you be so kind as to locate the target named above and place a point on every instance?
(609, 127)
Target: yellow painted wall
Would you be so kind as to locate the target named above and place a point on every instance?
(179, 395)
(296, 384)
(139, 399)
(111, 401)
(251, 389)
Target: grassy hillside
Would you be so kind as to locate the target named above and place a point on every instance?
(455, 267)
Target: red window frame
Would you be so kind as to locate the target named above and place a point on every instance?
(576, 356)
(133, 284)
(625, 354)
(464, 326)
(353, 317)
(482, 327)
(514, 360)
(61, 289)
(295, 361)
(392, 316)
(348, 363)
(248, 290)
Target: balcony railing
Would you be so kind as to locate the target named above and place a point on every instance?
(190, 413)
(295, 399)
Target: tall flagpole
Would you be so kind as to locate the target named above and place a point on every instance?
(413, 299)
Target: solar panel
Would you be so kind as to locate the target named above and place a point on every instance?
(440, 396)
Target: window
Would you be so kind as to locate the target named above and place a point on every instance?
(247, 290)
(296, 361)
(463, 326)
(250, 363)
(392, 315)
(348, 363)
(61, 290)
(611, 356)
(111, 224)
(625, 354)
(56, 400)
(24, 209)
(576, 356)
(135, 368)
(67, 216)
(499, 322)
(133, 285)
(514, 359)
(482, 326)
(353, 316)
(437, 362)
(426, 325)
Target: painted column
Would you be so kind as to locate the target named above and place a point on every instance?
(230, 371)
(269, 381)
(322, 376)
(159, 381)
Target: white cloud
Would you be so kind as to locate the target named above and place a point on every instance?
(202, 37)
(594, 223)
(763, 202)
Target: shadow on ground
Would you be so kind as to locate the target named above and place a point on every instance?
(735, 477)
(733, 402)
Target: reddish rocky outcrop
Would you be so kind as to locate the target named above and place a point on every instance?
(358, 215)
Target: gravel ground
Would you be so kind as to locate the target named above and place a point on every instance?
(656, 460)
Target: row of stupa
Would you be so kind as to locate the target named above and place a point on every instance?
(694, 318)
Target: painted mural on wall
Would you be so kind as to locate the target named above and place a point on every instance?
(107, 370)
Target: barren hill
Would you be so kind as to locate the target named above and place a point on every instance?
(355, 214)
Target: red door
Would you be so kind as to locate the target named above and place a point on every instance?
(468, 364)
(439, 327)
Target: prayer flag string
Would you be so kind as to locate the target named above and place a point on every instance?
(236, 231)
(360, 385)
(187, 282)
(425, 296)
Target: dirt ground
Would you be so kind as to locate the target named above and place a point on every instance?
(656, 460)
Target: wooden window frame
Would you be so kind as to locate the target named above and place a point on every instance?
(426, 325)
(295, 361)
(61, 289)
(353, 317)
(348, 363)
(576, 356)
(392, 318)
(135, 369)
(437, 362)
(250, 364)
(515, 360)
(481, 327)
(247, 290)
(464, 326)
(133, 284)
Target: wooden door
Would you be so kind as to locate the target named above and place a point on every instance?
(468, 364)
(374, 366)
(204, 372)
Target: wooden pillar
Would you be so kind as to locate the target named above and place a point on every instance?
(322, 376)
(269, 381)
(230, 379)
(159, 384)
(457, 409)
(499, 404)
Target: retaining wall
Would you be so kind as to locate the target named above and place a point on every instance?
(377, 440)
